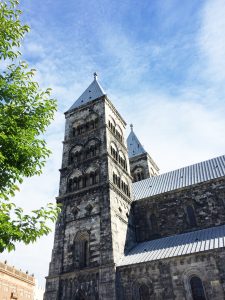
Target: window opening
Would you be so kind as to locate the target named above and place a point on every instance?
(144, 292)
(197, 288)
(191, 216)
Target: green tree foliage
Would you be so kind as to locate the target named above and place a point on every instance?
(25, 112)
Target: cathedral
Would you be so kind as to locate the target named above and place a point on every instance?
(126, 231)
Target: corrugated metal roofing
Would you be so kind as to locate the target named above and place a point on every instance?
(133, 145)
(94, 91)
(200, 172)
(182, 244)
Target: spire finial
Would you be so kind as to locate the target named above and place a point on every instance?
(131, 127)
(95, 75)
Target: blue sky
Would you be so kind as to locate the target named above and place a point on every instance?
(162, 63)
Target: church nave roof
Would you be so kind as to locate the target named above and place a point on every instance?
(190, 175)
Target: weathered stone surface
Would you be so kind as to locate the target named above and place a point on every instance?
(170, 210)
(99, 222)
(92, 231)
(169, 279)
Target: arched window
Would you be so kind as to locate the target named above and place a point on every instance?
(81, 249)
(91, 176)
(122, 160)
(78, 127)
(144, 293)
(75, 154)
(138, 174)
(191, 216)
(153, 224)
(197, 289)
(70, 184)
(112, 124)
(92, 148)
(75, 181)
(92, 121)
(121, 183)
(85, 180)
(114, 151)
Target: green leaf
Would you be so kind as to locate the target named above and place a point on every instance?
(25, 113)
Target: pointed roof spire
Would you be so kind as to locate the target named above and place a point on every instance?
(93, 92)
(133, 144)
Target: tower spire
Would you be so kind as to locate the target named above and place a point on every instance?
(93, 92)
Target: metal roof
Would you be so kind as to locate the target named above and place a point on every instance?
(182, 244)
(94, 91)
(200, 172)
(133, 145)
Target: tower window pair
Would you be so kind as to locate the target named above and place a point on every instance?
(92, 151)
(85, 127)
(82, 181)
(79, 153)
(116, 131)
(121, 184)
(117, 155)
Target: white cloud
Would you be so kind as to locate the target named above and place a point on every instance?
(212, 40)
(176, 133)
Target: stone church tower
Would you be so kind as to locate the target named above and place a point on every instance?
(142, 165)
(95, 193)
(125, 232)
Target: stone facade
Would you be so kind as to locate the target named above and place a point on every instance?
(15, 284)
(142, 166)
(170, 210)
(169, 278)
(100, 222)
(95, 193)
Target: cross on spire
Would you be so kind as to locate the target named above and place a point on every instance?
(131, 127)
(95, 75)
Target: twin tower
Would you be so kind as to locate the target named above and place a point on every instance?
(95, 227)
